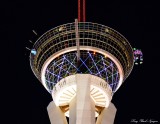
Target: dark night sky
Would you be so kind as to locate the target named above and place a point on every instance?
(138, 21)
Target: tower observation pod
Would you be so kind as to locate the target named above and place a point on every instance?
(81, 64)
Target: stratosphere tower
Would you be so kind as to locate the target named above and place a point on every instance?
(82, 64)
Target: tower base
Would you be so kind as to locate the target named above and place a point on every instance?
(83, 106)
(56, 115)
(107, 115)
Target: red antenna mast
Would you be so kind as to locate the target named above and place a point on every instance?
(81, 10)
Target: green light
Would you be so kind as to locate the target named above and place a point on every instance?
(141, 62)
(134, 48)
(93, 65)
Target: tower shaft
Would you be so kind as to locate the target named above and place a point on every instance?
(56, 115)
(82, 107)
(77, 42)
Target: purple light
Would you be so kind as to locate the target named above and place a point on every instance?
(94, 63)
(60, 70)
(71, 63)
(52, 73)
(83, 61)
(138, 56)
(86, 66)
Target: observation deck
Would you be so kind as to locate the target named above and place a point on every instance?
(104, 53)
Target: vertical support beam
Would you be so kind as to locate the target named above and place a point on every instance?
(77, 41)
(107, 115)
(83, 104)
(56, 115)
(72, 111)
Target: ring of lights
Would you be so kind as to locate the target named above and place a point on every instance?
(105, 53)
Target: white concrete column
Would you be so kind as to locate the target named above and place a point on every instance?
(72, 111)
(85, 108)
(56, 115)
(107, 115)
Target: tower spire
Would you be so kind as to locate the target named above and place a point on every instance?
(81, 10)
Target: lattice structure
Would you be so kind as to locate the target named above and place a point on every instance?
(91, 63)
(90, 34)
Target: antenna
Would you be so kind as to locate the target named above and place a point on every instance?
(34, 32)
(30, 41)
(81, 10)
(28, 48)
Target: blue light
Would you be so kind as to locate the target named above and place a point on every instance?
(70, 66)
(105, 68)
(83, 61)
(112, 72)
(60, 70)
(86, 66)
(94, 63)
(71, 63)
(64, 69)
(33, 51)
(52, 73)
(101, 71)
